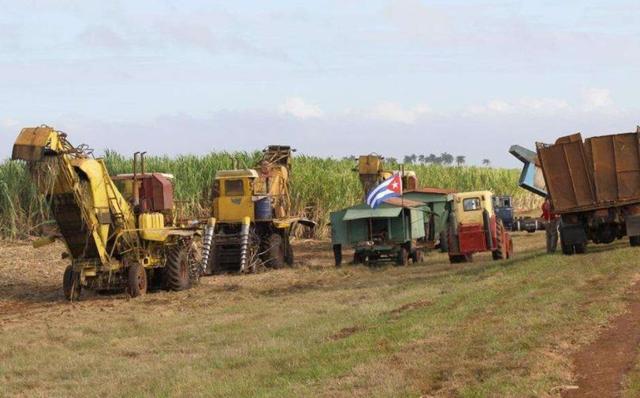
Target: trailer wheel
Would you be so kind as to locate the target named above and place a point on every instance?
(403, 257)
(634, 241)
(71, 284)
(337, 254)
(275, 251)
(178, 268)
(136, 280)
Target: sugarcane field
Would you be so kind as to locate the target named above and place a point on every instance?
(397, 198)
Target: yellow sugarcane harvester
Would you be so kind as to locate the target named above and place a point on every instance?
(251, 222)
(115, 239)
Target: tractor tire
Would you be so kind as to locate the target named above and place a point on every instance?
(337, 254)
(634, 241)
(136, 281)
(275, 255)
(500, 252)
(71, 284)
(403, 257)
(358, 258)
(177, 269)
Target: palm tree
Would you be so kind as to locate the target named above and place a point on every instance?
(486, 162)
(447, 158)
(460, 160)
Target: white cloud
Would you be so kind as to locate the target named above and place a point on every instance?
(102, 36)
(522, 105)
(299, 108)
(393, 112)
(9, 123)
(597, 98)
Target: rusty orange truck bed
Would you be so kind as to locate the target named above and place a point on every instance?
(595, 186)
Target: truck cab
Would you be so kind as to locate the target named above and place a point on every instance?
(503, 206)
(473, 227)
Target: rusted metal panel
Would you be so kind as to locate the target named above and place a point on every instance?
(156, 193)
(568, 178)
(602, 172)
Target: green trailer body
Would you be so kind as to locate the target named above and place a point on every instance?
(360, 223)
(412, 223)
(436, 200)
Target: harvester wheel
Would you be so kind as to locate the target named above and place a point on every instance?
(71, 284)
(403, 257)
(275, 251)
(137, 281)
(634, 241)
(178, 268)
(499, 253)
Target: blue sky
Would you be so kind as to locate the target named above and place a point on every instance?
(329, 77)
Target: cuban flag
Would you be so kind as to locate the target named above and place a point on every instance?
(388, 189)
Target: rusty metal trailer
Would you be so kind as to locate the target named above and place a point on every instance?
(594, 185)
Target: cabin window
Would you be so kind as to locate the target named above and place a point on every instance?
(471, 204)
(233, 188)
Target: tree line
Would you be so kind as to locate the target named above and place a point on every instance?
(444, 159)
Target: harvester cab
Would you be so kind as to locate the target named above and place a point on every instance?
(251, 219)
(473, 227)
(114, 242)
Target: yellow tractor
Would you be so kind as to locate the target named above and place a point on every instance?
(115, 241)
(251, 222)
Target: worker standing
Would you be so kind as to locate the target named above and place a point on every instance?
(552, 223)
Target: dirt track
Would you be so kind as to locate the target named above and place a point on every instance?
(602, 365)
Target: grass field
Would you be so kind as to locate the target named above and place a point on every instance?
(487, 329)
(319, 186)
